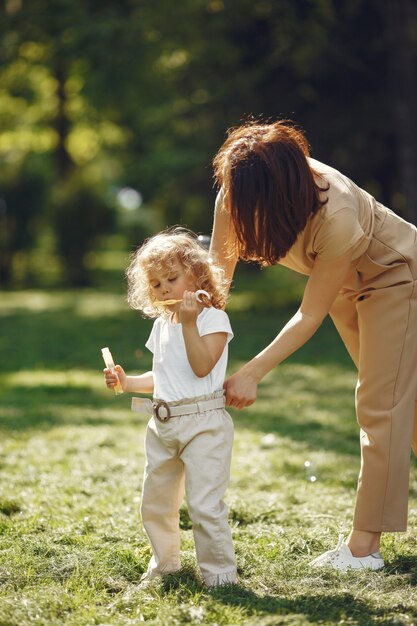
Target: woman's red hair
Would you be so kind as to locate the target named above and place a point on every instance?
(268, 188)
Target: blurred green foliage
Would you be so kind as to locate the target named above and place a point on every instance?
(24, 197)
(139, 94)
(79, 217)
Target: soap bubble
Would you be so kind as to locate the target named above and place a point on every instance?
(310, 472)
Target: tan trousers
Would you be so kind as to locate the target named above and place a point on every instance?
(376, 316)
(190, 453)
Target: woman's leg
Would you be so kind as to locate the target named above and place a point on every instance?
(385, 400)
(415, 431)
(162, 494)
(345, 318)
(380, 334)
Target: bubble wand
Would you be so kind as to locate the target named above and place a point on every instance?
(197, 294)
(108, 360)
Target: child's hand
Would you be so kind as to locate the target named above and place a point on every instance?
(189, 308)
(111, 379)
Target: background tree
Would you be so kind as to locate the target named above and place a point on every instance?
(45, 111)
(140, 93)
(401, 35)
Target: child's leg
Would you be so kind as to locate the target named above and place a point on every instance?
(207, 472)
(162, 494)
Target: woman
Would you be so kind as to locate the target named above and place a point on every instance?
(277, 205)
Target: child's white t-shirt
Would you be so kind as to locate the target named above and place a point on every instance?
(173, 377)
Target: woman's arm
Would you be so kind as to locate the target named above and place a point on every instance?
(222, 247)
(323, 285)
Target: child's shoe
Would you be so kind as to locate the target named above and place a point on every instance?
(219, 580)
(145, 581)
(342, 559)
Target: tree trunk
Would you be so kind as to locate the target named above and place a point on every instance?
(400, 21)
(63, 160)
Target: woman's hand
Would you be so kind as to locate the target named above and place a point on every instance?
(241, 389)
(112, 379)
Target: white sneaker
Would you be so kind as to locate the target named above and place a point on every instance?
(342, 559)
(148, 578)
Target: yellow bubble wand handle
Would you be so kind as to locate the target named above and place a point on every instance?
(108, 360)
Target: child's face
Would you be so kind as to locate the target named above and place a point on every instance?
(170, 283)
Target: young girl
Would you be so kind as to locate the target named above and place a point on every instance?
(189, 438)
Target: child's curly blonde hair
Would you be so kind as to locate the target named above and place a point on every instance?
(158, 253)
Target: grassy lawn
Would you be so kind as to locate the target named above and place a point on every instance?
(71, 460)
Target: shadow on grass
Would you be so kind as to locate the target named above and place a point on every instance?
(70, 337)
(338, 437)
(48, 407)
(272, 609)
(45, 407)
(319, 608)
(331, 396)
(405, 565)
(253, 330)
(64, 339)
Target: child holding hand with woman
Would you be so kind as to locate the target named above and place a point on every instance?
(189, 437)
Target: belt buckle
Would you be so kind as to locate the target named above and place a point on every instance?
(157, 406)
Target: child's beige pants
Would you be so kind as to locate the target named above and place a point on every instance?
(376, 316)
(190, 453)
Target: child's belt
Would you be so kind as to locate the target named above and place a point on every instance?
(163, 411)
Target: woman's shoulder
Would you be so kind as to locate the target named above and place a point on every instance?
(322, 168)
(339, 191)
(339, 183)
(336, 226)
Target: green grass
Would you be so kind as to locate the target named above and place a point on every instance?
(71, 460)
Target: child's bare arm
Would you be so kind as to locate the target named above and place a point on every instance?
(143, 383)
(203, 352)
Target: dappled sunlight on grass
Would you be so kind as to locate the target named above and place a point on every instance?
(33, 301)
(46, 413)
(311, 407)
(45, 398)
(86, 303)
(72, 457)
(45, 378)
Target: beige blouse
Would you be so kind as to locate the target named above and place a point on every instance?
(344, 222)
